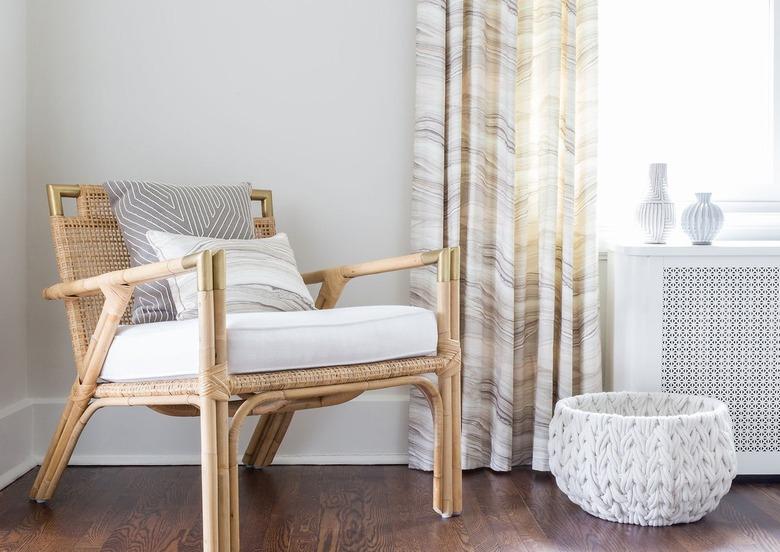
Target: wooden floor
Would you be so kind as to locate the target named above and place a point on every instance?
(361, 508)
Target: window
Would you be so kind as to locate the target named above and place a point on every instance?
(688, 83)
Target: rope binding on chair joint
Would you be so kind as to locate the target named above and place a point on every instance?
(449, 348)
(81, 394)
(214, 383)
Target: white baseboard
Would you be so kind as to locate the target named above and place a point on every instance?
(16, 438)
(14, 473)
(13, 408)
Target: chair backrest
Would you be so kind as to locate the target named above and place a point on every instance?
(90, 243)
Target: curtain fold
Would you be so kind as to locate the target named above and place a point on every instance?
(505, 156)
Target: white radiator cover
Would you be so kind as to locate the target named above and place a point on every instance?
(704, 320)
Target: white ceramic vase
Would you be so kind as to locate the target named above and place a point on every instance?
(656, 213)
(702, 220)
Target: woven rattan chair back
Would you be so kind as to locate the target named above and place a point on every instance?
(90, 243)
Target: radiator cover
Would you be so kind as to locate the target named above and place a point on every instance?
(704, 321)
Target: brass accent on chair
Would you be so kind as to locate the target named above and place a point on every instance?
(205, 271)
(265, 197)
(454, 263)
(220, 270)
(92, 260)
(56, 192)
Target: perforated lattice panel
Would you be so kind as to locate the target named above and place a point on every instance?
(720, 338)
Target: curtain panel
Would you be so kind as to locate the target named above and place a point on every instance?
(505, 167)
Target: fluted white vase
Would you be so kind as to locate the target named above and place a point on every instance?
(702, 220)
(656, 213)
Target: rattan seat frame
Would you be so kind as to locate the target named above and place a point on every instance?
(96, 287)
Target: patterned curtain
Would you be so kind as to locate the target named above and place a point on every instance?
(505, 167)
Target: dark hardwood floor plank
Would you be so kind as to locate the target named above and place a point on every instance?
(766, 497)
(70, 531)
(365, 508)
(741, 509)
(569, 528)
(40, 520)
(410, 516)
(449, 534)
(308, 515)
(159, 513)
(259, 492)
(508, 515)
(351, 518)
(104, 506)
(277, 535)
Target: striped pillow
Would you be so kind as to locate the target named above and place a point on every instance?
(261, 274)
(215, 211)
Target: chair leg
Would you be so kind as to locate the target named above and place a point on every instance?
(445, 390)
(209, 474)
(457, 471)
(267, 437)
(431, 394)
(47, 460)
(59, 455)
(261, 429)
(276, 431)
(233, 461)
(223, 475)
(451, 492)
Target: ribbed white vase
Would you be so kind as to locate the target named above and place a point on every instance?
(702, 220)
(656, 213)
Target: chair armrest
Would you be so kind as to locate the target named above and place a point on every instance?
(130, 276)
(441, 257)
(334, 279)
(117, 288)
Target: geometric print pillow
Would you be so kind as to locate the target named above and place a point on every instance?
(218, 211)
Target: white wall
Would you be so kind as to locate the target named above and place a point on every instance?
(311, 99)
(15, 419)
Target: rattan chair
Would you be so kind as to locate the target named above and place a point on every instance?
(97, 286)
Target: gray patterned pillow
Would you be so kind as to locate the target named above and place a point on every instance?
(219, 211)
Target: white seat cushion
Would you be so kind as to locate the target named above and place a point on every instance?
(270, 341)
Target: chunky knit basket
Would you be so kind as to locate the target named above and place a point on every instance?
(643, 458)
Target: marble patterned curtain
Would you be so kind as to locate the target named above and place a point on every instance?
(505, 167)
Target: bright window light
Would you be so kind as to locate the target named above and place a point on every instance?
(688, 83)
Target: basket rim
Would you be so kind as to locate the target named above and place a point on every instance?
(715, 407)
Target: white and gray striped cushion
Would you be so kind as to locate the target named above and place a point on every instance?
(219, 211)
(261, 274)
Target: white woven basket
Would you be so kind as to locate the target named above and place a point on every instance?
(643, 458)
